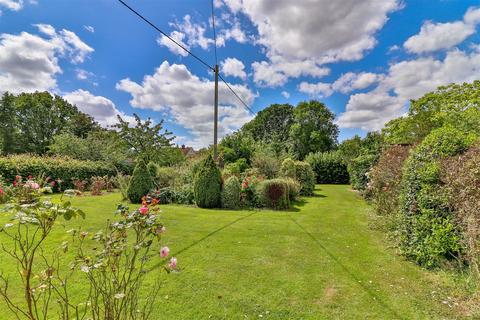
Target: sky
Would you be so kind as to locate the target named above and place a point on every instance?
(364, 59)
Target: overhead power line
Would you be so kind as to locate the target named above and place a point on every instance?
(236, 95)
(166, 35)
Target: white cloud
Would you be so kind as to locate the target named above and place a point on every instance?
(189, 99)
(14, 5)
(83, 74)
(320, 89)
(342, 30)
(178, 37)
(285, 94)
(89, 29)
(407, 80)
(437, 36)
(233, 67)
(30, 62)
(235, 32)
(102, 109)
(278, 70)
(347, 82)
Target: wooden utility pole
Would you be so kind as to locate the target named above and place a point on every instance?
(215, 120)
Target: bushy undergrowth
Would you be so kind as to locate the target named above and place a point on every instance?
(385, 179)
(428, 233)
(61, 169)
(461, 176)
(231, 193)
(140, 184)
(306, 177)
(208, 185)
(329, 167)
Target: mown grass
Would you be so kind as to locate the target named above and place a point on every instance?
(319, 260)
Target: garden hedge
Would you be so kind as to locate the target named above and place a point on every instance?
(64, 170)
(207, 186)
(274, 194)
(428, 232)
(329, 167)
(306, 177)
(358, 170)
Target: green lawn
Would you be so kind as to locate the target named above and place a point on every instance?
(319, 260)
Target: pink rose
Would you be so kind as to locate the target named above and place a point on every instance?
(164, 252)
(173, 263)
(143, 210)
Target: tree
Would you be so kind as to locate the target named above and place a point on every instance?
(236, 146)
(145, 139)
(272, 124)
(313, 129)
(457, 105)
(8, 131)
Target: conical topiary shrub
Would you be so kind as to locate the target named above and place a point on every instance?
(140, 184)
(207, 185)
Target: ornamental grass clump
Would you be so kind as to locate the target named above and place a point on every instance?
(207, 185)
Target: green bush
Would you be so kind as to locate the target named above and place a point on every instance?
(140, 184)
(329, 167)
(184, 194)
(165, 177)
(274, 194)
(208, 185)
(288, 168)
(62, 169)
(294, 188)
(306, 177)
(231, 193)
(266, 164)
(152, 169)
(428, 233)
(358, 170)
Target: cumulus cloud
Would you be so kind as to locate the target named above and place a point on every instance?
(189, 99)
(348, 82)
(102, 109)
(14, 5)
(278, 70)
(437, 36)
(30, 62)
(407, 80)
(174, 48)
(285, 94)
(233, 67)
(311, 33)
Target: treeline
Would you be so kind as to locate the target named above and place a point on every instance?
(42, 124)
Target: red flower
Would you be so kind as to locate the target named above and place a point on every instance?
(52, 183)
(18, 177)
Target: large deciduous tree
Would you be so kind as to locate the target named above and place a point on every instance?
(8, 120)
(313, 129)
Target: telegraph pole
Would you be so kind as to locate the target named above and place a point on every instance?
(215, 117)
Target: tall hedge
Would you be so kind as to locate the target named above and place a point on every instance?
(428, 232)
(57, 168)
(207, 187)
(231, 193)
(329, 167)
(306, 177)
(140, 184)
(358, 170)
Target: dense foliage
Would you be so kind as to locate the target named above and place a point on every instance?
(63, 170)
(231, 193)
(306, 177)
(358, 169)
(274, 194)
(140, 184)
(329, 167)
(207, 185)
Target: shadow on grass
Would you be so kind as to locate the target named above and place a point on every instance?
(156, 266)
(350, 273)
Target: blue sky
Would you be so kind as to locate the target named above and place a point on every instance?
(363, 59)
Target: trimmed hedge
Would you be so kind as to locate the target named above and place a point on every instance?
(140, 184)
(207, 186)
(428, 232)
(329, 167)
(358, 170)
(231, 193)
(57, 168)
(274, 194)
(306, 177)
